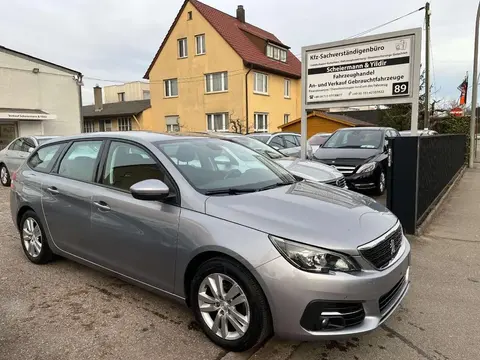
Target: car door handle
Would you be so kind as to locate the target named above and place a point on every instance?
(53, 190)
(102, 205)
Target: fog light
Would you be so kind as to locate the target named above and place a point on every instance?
(324, 323)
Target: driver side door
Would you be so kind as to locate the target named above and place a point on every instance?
(135, 238)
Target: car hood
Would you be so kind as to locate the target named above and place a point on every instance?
(307, 212)
(345, 156)
(310, 170)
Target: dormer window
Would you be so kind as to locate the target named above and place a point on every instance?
(277, 53)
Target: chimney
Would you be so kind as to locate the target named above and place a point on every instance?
(98, 98)
(241, 13)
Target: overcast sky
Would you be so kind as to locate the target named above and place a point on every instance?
(116, 40)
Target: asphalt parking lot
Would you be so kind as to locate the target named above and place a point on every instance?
(67, 311)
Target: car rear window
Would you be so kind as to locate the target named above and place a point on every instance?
(42, 159)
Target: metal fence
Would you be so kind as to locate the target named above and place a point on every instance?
(420, 169)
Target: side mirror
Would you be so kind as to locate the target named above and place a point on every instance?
(30, 150)
(152, 189)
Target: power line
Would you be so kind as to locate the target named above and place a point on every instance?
(387, 23)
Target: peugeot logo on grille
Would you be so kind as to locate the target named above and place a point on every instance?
(392, 247)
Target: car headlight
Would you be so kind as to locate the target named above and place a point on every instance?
(312, 259)
(367, 167)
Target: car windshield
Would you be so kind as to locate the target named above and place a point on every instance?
(262, 137)
(259, 147)
(318, 139)
(214, 166)
(362, 139)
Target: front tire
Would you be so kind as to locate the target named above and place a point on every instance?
(4, 175)
(229, 305)
(34, 241)
(381, 183)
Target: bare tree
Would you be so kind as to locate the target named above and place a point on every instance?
(238, 125)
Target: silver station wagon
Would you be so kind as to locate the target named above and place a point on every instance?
(251, 249)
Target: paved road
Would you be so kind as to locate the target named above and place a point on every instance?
(67, 311)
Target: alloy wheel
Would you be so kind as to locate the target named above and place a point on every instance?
(32, 237)
(224, 306)
(4, 175)
(382, 182)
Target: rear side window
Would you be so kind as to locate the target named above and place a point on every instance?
(42, 159)
(16, 146)
(79, 161)
(277, 141)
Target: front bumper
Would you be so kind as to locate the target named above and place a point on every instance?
(290, 291)
(362, 181)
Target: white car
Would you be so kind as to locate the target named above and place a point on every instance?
(15, 153)
(287, 143)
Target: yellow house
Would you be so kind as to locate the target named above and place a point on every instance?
(117, 116)
(216, 72)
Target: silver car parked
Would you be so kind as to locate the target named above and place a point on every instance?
(251, 250)
(12, 156)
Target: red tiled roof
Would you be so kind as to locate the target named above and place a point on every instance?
(233, 31)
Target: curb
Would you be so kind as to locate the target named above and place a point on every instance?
(421, 229)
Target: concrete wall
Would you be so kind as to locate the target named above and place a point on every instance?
(51, 90)
(133, 91)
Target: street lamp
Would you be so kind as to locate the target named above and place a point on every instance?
(474, 93)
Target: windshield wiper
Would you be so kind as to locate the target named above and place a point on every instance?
(229, 191)
(273, 186)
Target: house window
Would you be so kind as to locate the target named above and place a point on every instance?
(216, 82)
(88, 126)
(260, 83)
(125, 124)
(261, 122)
(146, 94)
(200, 44)
(171, 88)
(121, 96)
(189, 15)
(277, 53)
(217, 122)
(286, 88)
(182, 48)
(172, 123)
(286, 118)
(108, 125)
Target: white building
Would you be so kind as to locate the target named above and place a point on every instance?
(132, 91)
(37, 97)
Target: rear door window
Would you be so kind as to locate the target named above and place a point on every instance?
(16, 145)
(79, 163)
(42, 159)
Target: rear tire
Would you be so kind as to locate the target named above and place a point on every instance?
(238, 316)
(4, 175)
(34, 240)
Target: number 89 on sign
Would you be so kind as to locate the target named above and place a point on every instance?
(400, 88)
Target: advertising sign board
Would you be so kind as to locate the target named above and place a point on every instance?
(381, 69)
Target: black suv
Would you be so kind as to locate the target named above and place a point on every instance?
(361, 154)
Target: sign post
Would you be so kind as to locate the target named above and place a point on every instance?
(373, 70)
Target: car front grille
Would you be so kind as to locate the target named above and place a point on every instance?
(331, 316)
(337, 182)
(382, 253)
(344, 169)
(390, 296)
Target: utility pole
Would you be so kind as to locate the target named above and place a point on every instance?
(427, 67)
(474, 93)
